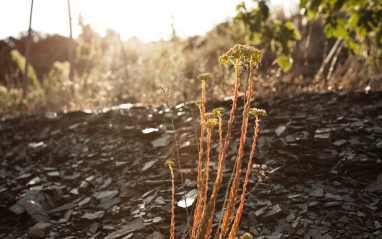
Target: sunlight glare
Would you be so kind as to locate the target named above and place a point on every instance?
(149, 20)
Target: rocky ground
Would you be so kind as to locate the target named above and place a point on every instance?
(101, 174)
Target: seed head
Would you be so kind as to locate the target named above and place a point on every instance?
(166, 94)
(242, 53)
(204, 76)
(218, 112)
(246, 236)
(169, 164)
(254, 111)
(259, 112)
(183, 79)
(208, 116)
(199, 104)
(209, 124)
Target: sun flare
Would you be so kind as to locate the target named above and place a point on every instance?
(149, 20)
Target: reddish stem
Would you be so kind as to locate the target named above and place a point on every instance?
(199, 204)
(206, 167)
(208, 215)
(172, 206)
(240, 209)
(236, 182)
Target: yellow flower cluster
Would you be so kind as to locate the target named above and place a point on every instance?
(241, 53)
(209, 124)
(218, 112)
(210, 120)
(169, 164)
(204, 76)
(199, 104)
(208, 116)
(254, 111)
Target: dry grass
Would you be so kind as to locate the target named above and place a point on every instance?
(132, 72)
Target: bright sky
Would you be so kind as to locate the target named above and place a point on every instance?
(149, 20)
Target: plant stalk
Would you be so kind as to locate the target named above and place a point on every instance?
(236, 182)
(199, 205)
(206, 168)
(240, 209)
(205, 227)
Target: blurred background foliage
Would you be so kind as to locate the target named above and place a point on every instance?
(275, 35)
(330, 44)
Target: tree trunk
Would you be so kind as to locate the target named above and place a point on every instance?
(326, 61)
(27, 49)
(307, 43)
(334, 61)
(71, 52)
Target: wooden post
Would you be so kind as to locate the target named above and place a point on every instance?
(27, 49)
(71, 52)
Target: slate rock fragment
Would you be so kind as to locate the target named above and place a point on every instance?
(62, 208)
(375, 186)
(54, 176)
(84, 187)
(108, 203)
(19, 207)
(275, 212)
(35, 203)
(36, 210)
(155, 235)
(161, 142)
(39, 230)
(84, 201)
(323, 136)
(280, 130)
(190, 199)
(148, 165)
(93, 215)
(133, 226)
(339, 143)
(105, 194)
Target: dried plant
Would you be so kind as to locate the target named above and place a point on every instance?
(199, 205)
(208, 124)
(205, 227)
(241, 57)
(245, 59)
(251, 55)
(166, 95)
(172, 230)
(256, 113)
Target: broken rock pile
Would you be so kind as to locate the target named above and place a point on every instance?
(100, 174)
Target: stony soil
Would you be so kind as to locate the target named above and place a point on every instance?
(88, 174)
